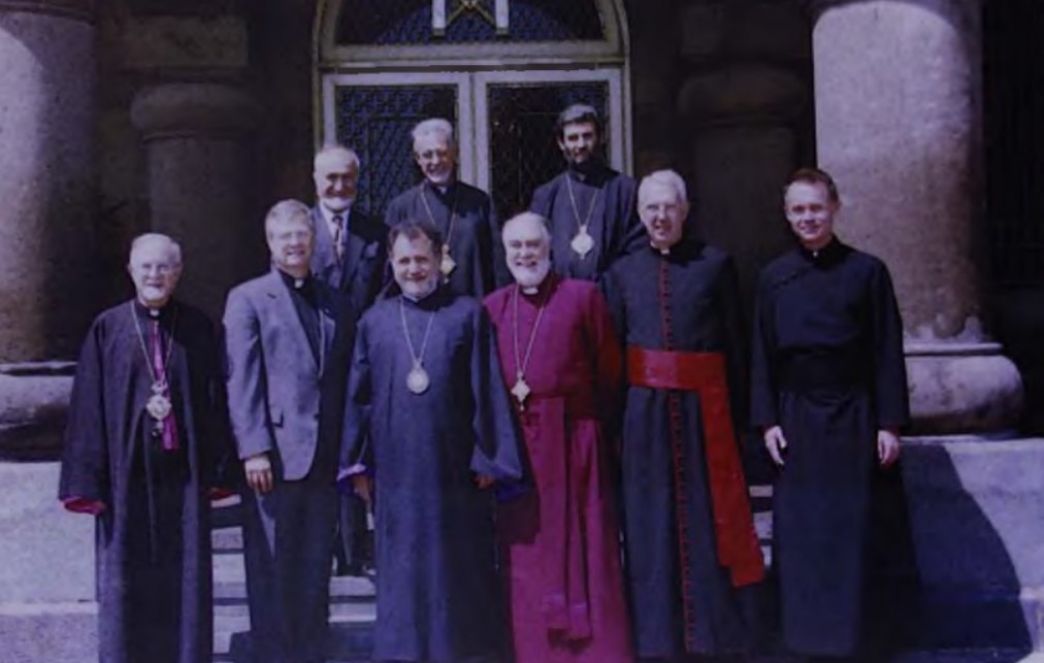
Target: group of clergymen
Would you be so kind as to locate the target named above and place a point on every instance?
(552, 464)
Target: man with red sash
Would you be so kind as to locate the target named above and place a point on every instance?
(560, 540)
(690, 540)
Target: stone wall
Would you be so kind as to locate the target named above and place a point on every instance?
(722, 93)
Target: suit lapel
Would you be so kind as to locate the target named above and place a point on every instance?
(284, 312)
(323, 255)
(354, 251)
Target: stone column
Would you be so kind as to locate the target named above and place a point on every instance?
(744, 145)
(898, 123)
(745, 102)
(46, 157)
(47, 177)
(199, 161)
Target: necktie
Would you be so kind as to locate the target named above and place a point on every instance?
(170, 431)
(338, 239)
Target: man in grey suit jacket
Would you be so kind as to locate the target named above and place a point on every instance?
(288, 338)
(350, 257)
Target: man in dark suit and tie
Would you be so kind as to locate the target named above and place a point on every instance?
(349, 244)
(288, 336)
(349, 257)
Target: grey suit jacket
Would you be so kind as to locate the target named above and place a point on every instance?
(362, 273)
(282, 401)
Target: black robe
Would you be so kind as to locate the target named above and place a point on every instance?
(614, 226)
(828, 367)
(153, 539)
(475, 241)
(437, 590)
(685, 301)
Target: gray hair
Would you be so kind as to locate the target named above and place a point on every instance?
(173, 248)
(337, 150)
(533, 217)
(665, 178)
(434, 126)
(288, 210)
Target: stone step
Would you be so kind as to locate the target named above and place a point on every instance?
(351, 627)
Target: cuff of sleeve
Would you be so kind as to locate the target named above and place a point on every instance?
(352, 471)
(84, 505)
(215, 494)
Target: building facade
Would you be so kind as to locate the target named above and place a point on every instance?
(191, 118)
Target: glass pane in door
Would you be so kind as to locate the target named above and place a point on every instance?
(523, 151)
(376, 121)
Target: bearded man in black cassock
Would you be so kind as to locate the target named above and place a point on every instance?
(829, 394)
(429, 423)
(147, 437)
(590, 207)
(689, 533)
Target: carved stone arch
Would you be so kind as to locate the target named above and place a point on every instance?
(612, 47)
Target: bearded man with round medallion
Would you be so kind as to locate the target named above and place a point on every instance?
(428, 428)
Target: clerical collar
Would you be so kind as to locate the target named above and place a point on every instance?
(442, 190)
(145, 312)
(685, 247)
(829, 254)
(296, 282)
(545, 285)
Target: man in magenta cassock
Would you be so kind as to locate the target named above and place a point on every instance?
(560, 540)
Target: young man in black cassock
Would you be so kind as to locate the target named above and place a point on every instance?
(689, 534)
(829, 394)
(428, 422)
(590, 207)
(147, 438)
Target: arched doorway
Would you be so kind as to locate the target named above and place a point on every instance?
(500, 70)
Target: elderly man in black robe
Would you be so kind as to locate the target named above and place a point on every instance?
(147, 438)
(288, 338)
(689, 534)
(829, 394)
(429, 425)
(471, 259)
(590, 207)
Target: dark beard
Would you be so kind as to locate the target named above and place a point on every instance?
(593, 164)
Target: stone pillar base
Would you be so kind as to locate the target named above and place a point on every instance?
(34, 400)
(959, 387)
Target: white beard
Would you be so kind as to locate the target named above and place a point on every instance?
(527, 277)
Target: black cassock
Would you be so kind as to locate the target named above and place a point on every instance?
(684, 301)
(153, 539)
(437, 590)
(473, 236)
(605, 197)
(828, 367)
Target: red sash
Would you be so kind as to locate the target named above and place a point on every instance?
(704, 372)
